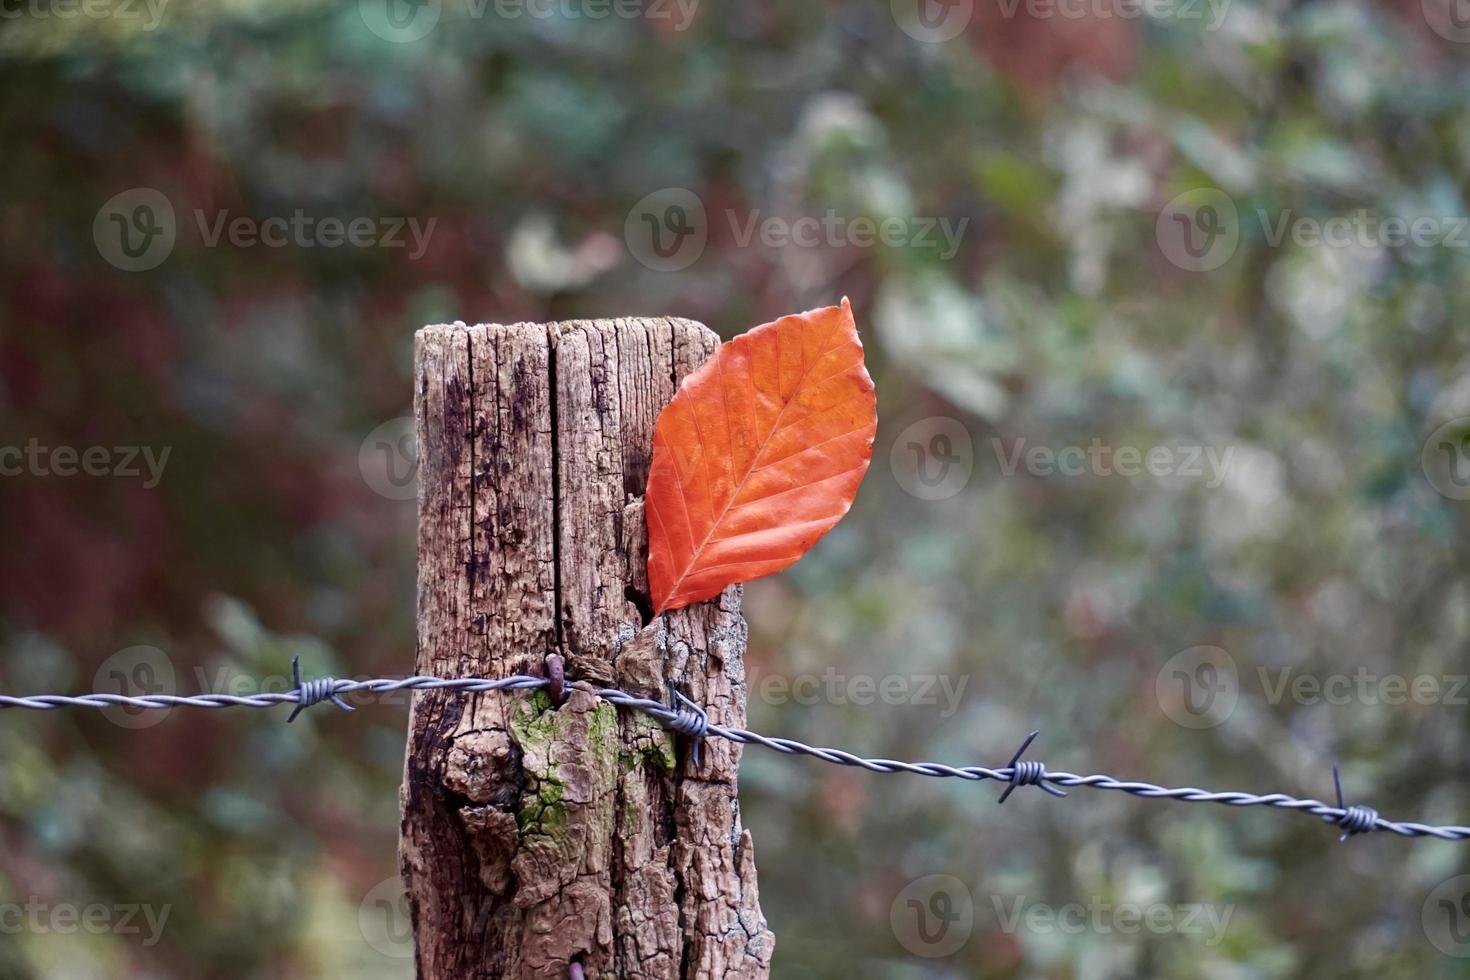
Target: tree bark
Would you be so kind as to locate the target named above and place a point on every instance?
(535, 836)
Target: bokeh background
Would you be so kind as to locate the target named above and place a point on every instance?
(1133, 191)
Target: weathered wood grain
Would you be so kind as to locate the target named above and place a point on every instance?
(533, 836)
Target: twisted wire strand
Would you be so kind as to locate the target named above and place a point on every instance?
(1353, 819)
(687, 718)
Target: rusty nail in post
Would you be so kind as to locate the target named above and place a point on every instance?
(556, 674)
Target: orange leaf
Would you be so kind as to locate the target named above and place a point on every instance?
(759, 454)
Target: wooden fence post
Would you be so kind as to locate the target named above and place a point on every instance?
(532, 836)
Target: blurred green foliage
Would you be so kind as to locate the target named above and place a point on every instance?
(1061, 318)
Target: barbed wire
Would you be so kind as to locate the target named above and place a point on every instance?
(689, 719)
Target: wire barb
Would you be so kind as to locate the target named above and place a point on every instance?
(1353, 819)
(1029, 773)
(313, 692)
(689, 719)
